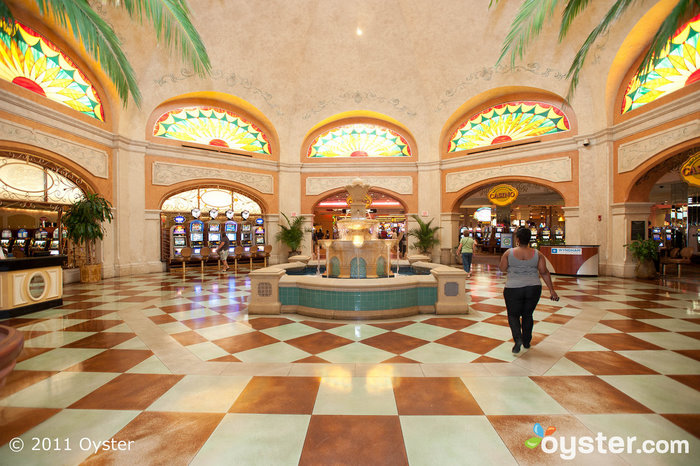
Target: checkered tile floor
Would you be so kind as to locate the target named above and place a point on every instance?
(178, 368)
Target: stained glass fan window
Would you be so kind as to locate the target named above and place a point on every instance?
(359, 140)
(206, 199)
(510, 121)
(26, 181)
(29, 60)
(675, 68)
(213, 127)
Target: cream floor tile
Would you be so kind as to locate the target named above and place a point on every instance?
(357, 332)
(174, 327)
(504, 352)
(511, 395)
(453, 440)
(58, 391)
(122, 328)
(51, 325)
(568, 311)
(602, 328)
(207, 350)
(193, 314)
(356, 353)
(154, 311)
(134, 343)
(289, 331)
(152, 365)
(643, 427)
(112, 316)
(202, 394)
(546, 327)
(669, 340)
(356, 396)
(433, 353)
(657, 392)
(57, 359)
(247, 439)
(276, 352)
(50, 313)
(674, 325)
(222, 331)
(499, 332)
(587, 345)
(566, 367)
(665, 362)
(613, 316)
(55, 339)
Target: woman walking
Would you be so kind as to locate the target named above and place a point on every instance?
(523, 288)
(466, 247)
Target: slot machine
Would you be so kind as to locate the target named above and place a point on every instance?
(546, 234)
(213, 234)
(39, 244)
(559, 234)
(178, 237)
(657, 235)
(6, 241)
(231, 230)
(533, 237)
(22, 240)
(497, 235)
(246, 236)
(478, 234)
(55, 243)
(259, 231)
(196, 236)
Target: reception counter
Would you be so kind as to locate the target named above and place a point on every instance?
(571, 259)
(30, 284)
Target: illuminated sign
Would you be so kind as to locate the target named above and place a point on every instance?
(483, 214)
(690, 170)
(502, 194)
(179, 219)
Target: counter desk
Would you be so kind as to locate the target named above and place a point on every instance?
(572, 259)
(30, 284)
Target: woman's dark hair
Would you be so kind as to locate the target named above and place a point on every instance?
(523, 234)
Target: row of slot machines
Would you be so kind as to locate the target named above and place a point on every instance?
(39, 242)
(491, 236)
(197, 234)
(669, 237)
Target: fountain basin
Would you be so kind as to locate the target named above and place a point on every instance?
(273, 291)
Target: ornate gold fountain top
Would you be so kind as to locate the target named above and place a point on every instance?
(358, 191)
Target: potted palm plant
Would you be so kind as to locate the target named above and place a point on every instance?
(292, 235)
(645, 251)
(84, 224)
(426, 236)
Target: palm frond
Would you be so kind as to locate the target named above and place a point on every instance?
(171, 21)
(99, 40)
(527, 23)
(572, 9)
(682, 12)
(617, 10)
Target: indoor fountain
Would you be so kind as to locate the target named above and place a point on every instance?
(358, 283)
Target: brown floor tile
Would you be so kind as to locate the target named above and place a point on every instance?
(162, 319)
(18, 380)
(548, 308)
(688, 422)
(16, 421)
(28, 353)
(498, 319)
(637, 314)
(128, 391)
(695, 335)
(607, 363)
(112, 360)
(487, 359)
(514, 430)
(90, 313)
(321, 325)
(180, 307)
(161, 438)
(621, 342)
(94, 325)
(455, 323)
(262, 323)
(101, 340)
(631, 326)
(433, 396)
(588, 395)
(392, 325)
(394, 342)
(312, 360)
(244, 342)
(584, 298)
(19, 321)
(493, 309)
(650, 305)
(468, 342)
(80, 305)
(558, 319)
(136, 299)
(318, 342)
(209, 321)
(692, 381)
(354, 440)
(188, 338)
(694, 354)
(227, 358)
(278, 395)
(400, 360)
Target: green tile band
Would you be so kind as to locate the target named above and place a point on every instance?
(358, 300)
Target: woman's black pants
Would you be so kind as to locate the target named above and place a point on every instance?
(521, 303)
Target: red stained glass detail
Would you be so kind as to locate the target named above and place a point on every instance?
(502, 138)
(218, 142)
(693, 77)
(29, 84)
(358, 153)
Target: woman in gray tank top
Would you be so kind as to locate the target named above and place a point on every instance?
(523, 287)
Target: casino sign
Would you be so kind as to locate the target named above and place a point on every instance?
(502, 194)
(690, 170)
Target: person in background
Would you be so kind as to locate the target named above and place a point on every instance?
(523, 288)
(222, 250)
(466, 248)
(328, 234)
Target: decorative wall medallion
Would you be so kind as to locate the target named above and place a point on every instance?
(555, 170)
(397, 184)
(633, 154)
(166, 174)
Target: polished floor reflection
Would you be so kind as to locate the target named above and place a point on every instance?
(178, 373)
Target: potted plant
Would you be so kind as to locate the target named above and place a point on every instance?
(84, 224)
(292, 235)
(425, 235)
(645, 251)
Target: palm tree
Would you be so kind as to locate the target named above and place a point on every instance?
(292, 235)
(532, 15)
(170, 19)
(425, 235)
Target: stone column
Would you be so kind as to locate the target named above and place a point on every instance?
(449, 236)
(271, 228)
(619, 262)
(572, 225)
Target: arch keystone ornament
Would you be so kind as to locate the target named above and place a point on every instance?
(690, 170)
(502, 194)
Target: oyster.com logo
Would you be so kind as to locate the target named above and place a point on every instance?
(540, 433)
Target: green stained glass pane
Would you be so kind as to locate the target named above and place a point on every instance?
(359, 140)
(45, 70)
(212, 126)
(674, 69)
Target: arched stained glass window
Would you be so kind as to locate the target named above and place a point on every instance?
(677, 67)
(31, 61)
(510, 121)
(25, 181)
(359, 140)
(213, 127)
(206, 199)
